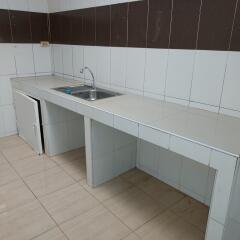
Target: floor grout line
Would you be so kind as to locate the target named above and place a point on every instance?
(38, 200)
(101, 203)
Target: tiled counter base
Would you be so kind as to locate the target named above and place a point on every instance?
(223, 163)
(200, 145)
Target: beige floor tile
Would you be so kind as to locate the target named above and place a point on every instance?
(109, 189)
(76, 169)
(136, 176)
(161, 192)
(18, 152)
(13, 195)
(96, 224)
(32, 165)
(11, 141)
(64, 158)
(68, 203)
(25, 222)
(7, 174)
(48, 181)
(2, 159)
(134, 207)
(53, 234)
(168, 226)
(192, 211)
(132, 236)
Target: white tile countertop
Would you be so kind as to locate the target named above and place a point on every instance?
(214, 131)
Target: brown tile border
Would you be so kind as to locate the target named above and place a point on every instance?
(176, 24)
(23, 27)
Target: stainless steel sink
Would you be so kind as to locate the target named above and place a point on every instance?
(87, 92)
(72, 90)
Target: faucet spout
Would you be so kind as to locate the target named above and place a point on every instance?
(91, 72)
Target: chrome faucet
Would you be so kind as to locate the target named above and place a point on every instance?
(93, 78)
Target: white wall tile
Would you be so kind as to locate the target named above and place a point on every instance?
(179, 73)
(3, 4)
(90, 61)
(63, 5)
(58, 58)
(122, 139)
(135, 68)
(190, 150)
(67, 60)
(38, 6)
(125, 158)
(169, 167)
(149, 157)
(57, 138)
(76, 4)
(42, 59)
(208, 77)
(5, 91)
(194, 177)
(126, 125)
(76, 133)
(18, 5)
(103, 65)
(225, 166)
(7, 61)
(118, 66)
(53, 6)
(214, 230)
(102, 117)
(154, 136)
(230, 97)
(24, 59)
(105, 133)
(2, 130)
(156, 69)
(78, 61)
(9, 120)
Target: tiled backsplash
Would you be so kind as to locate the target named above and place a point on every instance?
(174, 24)
(166, 49)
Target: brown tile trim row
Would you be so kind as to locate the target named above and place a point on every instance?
(216, 22)
(184, 26)
(235, 41)
(23, 27)
(177, 24)
(5, 28)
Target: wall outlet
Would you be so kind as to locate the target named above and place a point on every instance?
(44, 44)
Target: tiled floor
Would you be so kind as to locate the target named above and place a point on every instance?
(44, 198)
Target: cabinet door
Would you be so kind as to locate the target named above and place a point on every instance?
(28, 120)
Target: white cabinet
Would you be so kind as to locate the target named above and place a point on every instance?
(28, 122)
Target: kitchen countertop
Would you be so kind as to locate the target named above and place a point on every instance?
(215, 131)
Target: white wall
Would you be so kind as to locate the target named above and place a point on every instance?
(18, 60)
(25, 5)
(64, 5)
(203, 79)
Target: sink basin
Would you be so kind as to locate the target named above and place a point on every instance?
(87, 92)
(73, 90)
(93, 95)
